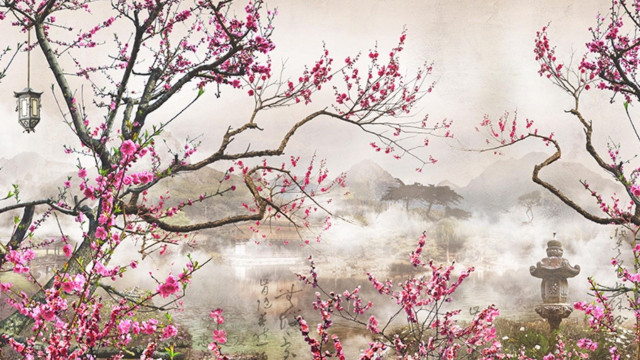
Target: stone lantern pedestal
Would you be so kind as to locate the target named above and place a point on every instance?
(554, 313)
(554, 271)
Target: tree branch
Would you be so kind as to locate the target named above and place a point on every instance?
(18, 236)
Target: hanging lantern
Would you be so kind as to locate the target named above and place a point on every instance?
(28, 100)
(28, 108)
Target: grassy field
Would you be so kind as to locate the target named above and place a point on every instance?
(537, 340)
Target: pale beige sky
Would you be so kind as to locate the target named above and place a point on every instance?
(483, 62)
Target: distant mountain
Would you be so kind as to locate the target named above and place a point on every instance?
(368, 181)
(493, 192)
(35, 175)
(499, 186)
(450, 184)
(39, 177)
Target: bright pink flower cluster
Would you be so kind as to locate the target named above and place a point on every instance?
(70, 319)
(415, 296)
(20, 259)
(169, 287)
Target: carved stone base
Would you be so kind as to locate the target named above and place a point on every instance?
(554, 313)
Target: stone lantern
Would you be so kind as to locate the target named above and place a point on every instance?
(554, 271)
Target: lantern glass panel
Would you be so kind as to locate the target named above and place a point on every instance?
(24, 107)
(35, 107)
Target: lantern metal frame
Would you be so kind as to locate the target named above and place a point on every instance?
(28, 108)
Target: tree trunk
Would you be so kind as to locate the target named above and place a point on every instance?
(15, 323)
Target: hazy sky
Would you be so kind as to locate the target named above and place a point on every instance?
(483, 63)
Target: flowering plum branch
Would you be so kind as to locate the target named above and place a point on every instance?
(433, 332)
(574, 82)
(157, 51)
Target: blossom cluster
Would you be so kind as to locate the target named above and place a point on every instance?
(436, 334)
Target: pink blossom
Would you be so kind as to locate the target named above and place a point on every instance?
(169, 331)
(128, 148)
(124, 326)
(66, 249)
(587, 344)
(4, 287)
(72, 284)
(634, 277)
(88, 192)
(145, 177)
(82, 173)
(29, 255)
(135, 328)
(101, 233)
(20, 269)
(104, 219)
(101, 269)
(219, 336)
(216, 315)
(149, 327)
(373, 325)
(169, 287)
(47, 314)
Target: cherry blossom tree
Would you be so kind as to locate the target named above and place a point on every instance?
(609, 66)
(150, 61)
